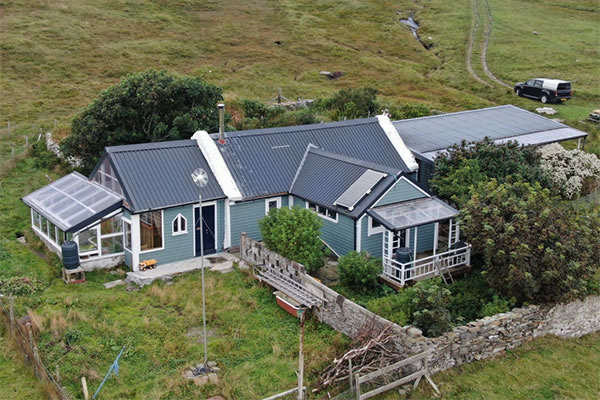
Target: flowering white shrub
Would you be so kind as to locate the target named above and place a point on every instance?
(568, 170)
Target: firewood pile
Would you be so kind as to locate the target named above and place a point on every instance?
(373, 353)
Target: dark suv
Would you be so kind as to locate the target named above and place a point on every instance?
(545, 90)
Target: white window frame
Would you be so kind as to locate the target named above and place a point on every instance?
(179, 217)
(373, 231)
(267, 201)
(326, 217)
(125, 220)
(162, 223)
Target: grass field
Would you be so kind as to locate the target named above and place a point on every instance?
(546, 368)
(17, 381)
(56, 56)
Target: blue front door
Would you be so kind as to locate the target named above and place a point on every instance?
(208, 229)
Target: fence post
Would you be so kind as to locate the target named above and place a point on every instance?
(26, 141)
(357, 387)
(33, 349)
(11, 307)
(57, 374)
(86, 395)
(350, 376)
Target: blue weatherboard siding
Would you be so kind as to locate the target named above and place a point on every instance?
(424, 239)
(176, 248)
(403, 190)
(371, 244)
(220, 222)
(339, 236)
(244, 218)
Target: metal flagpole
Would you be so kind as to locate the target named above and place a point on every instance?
(202, 268)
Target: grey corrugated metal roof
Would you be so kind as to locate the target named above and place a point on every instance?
(73, 202)
(535, 139)
(413, 213)
(158, 175)
(324, 176)
(264, 162)
(439, 132)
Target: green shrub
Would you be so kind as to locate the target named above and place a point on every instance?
(359, 271)
(20, 286)
(44, 158)
(430, 306)
(296, 234)
(144, 107)
(534, 247)
(497, 305)
(72, 337)
(397, 307)
(352, 103)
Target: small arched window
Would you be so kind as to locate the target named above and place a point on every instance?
(179, 225)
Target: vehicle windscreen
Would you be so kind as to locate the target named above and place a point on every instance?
(564, 86)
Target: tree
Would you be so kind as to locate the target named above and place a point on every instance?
(352, 103)
(571, 172)
(534, 247)
(466, 165)
(430, 305)
(296, 234)
(144, 107)
(359, 271)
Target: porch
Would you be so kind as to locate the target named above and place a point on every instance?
(404, 257)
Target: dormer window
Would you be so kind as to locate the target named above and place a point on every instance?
(179, 225)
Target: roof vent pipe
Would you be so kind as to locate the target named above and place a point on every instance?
(221, 108)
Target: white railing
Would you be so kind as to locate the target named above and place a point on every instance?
(427, 266)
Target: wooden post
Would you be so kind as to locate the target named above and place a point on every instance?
(301, 357)
(357, 387)
(26, 141)
(11, 308)
(86, 395)
(57, 377)
(350, 374)
(33, 349)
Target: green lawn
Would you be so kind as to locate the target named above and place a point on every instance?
(83, 327)
(546, 368)
(16, 379)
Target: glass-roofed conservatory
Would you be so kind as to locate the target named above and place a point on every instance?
(73, 208)
(405, 258)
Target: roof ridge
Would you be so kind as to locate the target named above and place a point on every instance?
(295, 128)
(168, 144)
(352, 160)
(455, 113)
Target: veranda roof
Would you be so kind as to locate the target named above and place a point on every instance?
(412, 213)
(73, 202)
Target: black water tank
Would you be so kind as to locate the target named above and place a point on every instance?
(403, 255)
(70, 254)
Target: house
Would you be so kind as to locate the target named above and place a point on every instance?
(426, 137)
(141, 203)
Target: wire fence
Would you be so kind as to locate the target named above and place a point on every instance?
(22, 334)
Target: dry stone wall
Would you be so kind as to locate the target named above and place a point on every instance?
(476, 340)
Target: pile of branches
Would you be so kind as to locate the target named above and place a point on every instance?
(372, 354)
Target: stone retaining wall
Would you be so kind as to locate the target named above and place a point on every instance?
(476, 340)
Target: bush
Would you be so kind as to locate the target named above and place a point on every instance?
(20, 286)
(43, 158)
(144, 107)
(359, 271)
(464, 166)
(408, 110)
(296, 234)
(497, 305)
(352, 103)
(570, 171)
(431, 302)
(397, 308)
(534, 248)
